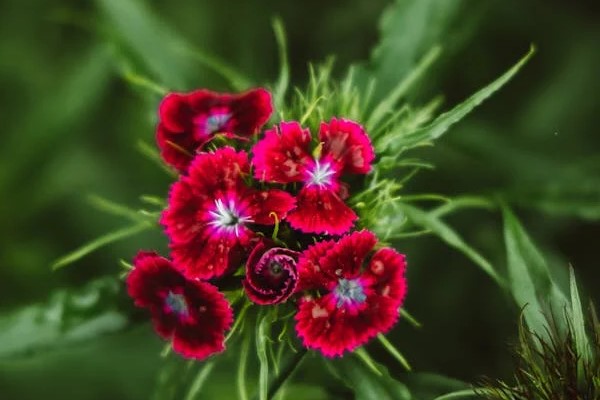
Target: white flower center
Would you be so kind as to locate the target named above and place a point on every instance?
(349, 291)
(321, 174)
(216, 122)
(176, 303)
(226, 217)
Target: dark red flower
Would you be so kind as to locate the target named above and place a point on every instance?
(271, 275)
(211, 210)
(193, 314)
(189, 120)
(354, 302)
(283, 156)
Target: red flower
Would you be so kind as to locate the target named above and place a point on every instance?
(271, 275)
(354, 303)
(210, 212)
(283, 156)
(189, 120)
(194, 314)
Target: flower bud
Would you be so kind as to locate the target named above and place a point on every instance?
(271, 275)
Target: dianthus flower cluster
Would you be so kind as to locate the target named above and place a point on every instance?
(271, 206)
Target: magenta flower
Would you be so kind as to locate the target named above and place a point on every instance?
(354, 302)
(283, 156)
(271, 275)
(189, 120)
(212, 210)
(193, 314)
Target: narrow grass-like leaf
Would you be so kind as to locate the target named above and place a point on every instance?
(114, 208)
(428, 386)
(143, 82)
(442, 123)
(68, 316)
(235, 78)
(577, 319)
(310, 109)
(261, 352)
(241, 373)
(394, 352)
(365, 384)
(284, 68)
(238, 321)
(153, 200)
(366, 358)
(448, 235)
(530, 281)
(387, 105)
(459, 203)
(412, 320)
(164, 52)
(99, 242)
(152, 154)
(51, 122)
(135, 25)
(199, 381)
(460, 394)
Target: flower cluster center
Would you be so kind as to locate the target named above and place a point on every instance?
(321, 174)
(216, 122)
(275, 268)
(176, 303)
(349, 291)
(228, 217)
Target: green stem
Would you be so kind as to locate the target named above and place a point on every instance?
(286, 373)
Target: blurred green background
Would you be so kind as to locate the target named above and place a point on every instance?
(71, 126)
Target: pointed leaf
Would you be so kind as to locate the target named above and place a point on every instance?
(284, 68)
(442, 123)
(103, 240)
(262, 329)
(451, 237)
(578, 321)
(529, 278)
(68, 316)
(365, 384)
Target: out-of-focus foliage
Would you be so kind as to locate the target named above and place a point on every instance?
(557, 360)
(78, 98)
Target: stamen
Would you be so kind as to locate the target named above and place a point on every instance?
(349, 291)
(321, 174)
(176, 303)
(216, 122)
(227, 217)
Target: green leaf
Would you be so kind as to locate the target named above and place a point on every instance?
(409, 317)
(577, 319)
(529, 277)
(152, 154)
(409, 28)
(443, 122)
(103, 240)
(51, 123)
(241, 373)
(451, 237)
(164, 52)
(365, 384)
(135, 26)
(284, 68)
(114, 208)
(262, 335)
(68, 316)
(460, 394)
(429, 386)
(386, 106)
(394, 351)
(199, 381)
(366, 358)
